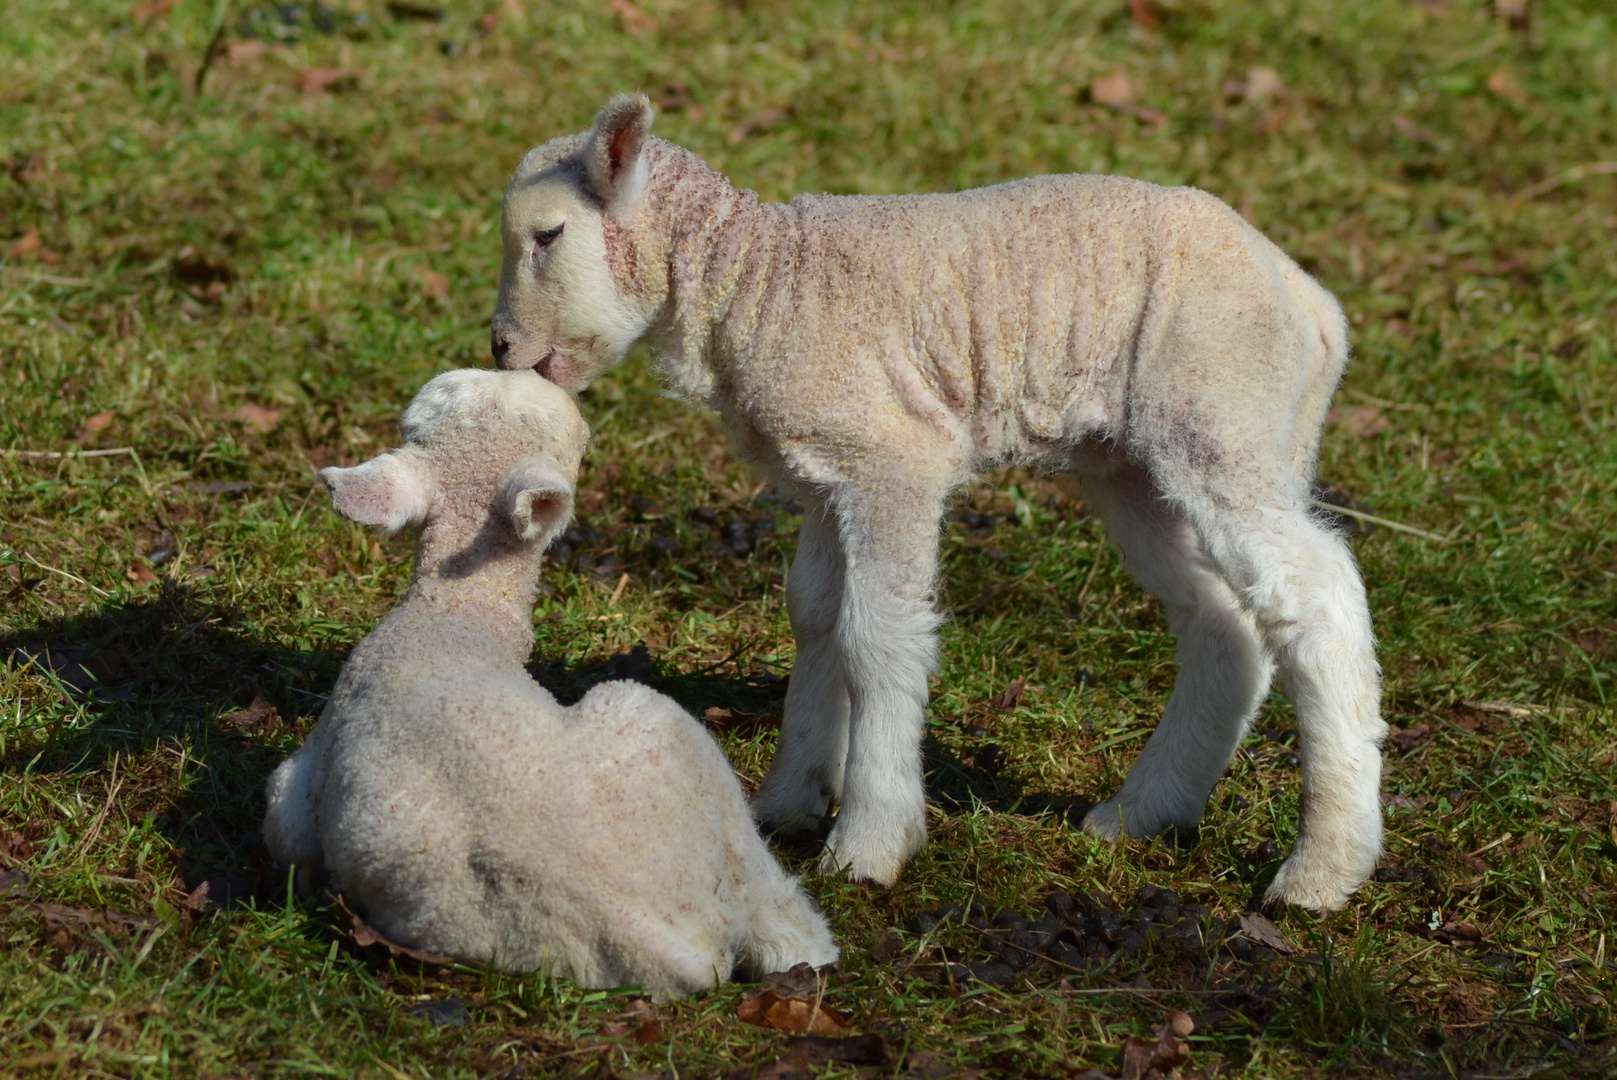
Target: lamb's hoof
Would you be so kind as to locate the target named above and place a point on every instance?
(876, 856)
(1105, 821)
(1320, 889)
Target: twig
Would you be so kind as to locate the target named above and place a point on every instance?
(1570, 176)
(48, 279)
(617, 592)
(1320, 504)
(1100, 550)
(71, 577)
(54, 454)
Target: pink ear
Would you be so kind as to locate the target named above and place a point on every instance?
(612, 157)
(392, 491)
(538, 498)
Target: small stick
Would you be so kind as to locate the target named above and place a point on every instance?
(617, 592)
(71, 577)
(1100, 549)
(1321, 504)
(53, 455)
(1572, 175)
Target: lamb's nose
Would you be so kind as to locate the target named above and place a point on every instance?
(498, 345)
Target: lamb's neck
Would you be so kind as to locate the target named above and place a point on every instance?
(722, 243)
(492, 585)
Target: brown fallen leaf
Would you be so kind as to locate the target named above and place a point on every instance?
(95, 425)
(317, 80)
(644, 1025)
(1262, 84)
(742, 723)
(1260, 931)
(1113, 89)
(145, 11)
(752, 125)
(797, 1015)
(434, 286)
(1513, 12)
(262, 418)
(366, 935)
(140, 574)
(1406, 739)
(229, 891)
(492, 19)
(632, 19)
(1501, 83)
(1007, 698)
(259, 716)
(1144, 14)
(1362, 421)
(1150, 1059)
(243, 50)
(30, 243)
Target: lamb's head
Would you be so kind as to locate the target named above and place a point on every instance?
(573, 296)
(483, 451)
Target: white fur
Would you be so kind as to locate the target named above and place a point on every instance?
(877, 353)
(467, 813)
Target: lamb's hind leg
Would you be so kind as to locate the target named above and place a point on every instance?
(807, 771)
(1224, 670)
(1300, 583)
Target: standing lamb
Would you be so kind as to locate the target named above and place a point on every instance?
(463, 808)
(875, 353)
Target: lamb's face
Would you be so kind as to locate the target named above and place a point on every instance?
(561, 312)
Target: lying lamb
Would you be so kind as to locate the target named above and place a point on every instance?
(876, 353)
(452, 797)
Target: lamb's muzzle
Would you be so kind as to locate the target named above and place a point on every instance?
(874, 354)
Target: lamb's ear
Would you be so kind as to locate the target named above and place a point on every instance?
(614, 155)
(393, 491)
(537, 498)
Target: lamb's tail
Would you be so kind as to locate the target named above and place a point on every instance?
(785, 930)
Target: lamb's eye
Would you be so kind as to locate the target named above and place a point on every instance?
(545, 237)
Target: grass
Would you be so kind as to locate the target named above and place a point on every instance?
(240, 284)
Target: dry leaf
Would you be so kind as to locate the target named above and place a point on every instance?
(30, 243)
(1361, 420)
(506, 9)
(1007, 698)
(1407, 739)
(317, 79)
(434, 286)
(1148, 1059)
(1513, 12)
(632, 19)
(1501, 83)
(754, 124)
(798, 1015)
(140, 574)
(365, 935)
(260, 417)
(1260, 931)
(146, 10)
(61, 914)
(229, 891)
(645, 1026)
(95, 425)
(259, 716)
(1262, 83)
(1113, 90)
(742, 723)
(1144, 14)
(239, 52)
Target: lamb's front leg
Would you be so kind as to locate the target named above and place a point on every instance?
(887, 645)
(807, 771)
